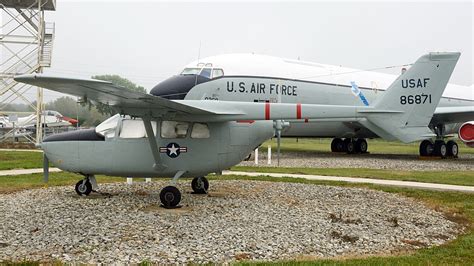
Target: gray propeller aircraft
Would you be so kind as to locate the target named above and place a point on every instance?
(256, 78)
(157, 137)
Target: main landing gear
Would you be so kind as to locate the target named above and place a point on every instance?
(349, 145)
(439, 148)
(170, 196)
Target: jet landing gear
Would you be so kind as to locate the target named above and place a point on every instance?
(349, 145)
(86, 186)
(439, 148)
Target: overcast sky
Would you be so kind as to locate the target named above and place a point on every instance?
(150, 41)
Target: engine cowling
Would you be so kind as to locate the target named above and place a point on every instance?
(466, 133)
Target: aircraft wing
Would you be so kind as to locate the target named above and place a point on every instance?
(455, 114)
(108, 93)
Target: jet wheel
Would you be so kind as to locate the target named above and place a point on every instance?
(200, 185)
(453, 149)
(170, 197)
(361, 145)
(337, 145)
(83, 188)
(440, 148)
(426, 148)
(350, 147)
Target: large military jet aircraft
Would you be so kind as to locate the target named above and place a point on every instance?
(153, 136)
(258, 78)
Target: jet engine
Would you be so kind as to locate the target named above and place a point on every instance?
(466, 133)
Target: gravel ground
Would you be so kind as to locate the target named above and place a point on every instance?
(465, 162)
(237, 220)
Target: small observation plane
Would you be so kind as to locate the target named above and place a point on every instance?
(157, 137)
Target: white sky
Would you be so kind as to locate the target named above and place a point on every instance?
(150, 41)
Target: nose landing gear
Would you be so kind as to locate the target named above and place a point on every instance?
(86, 186)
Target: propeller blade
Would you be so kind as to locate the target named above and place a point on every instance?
(45, 168)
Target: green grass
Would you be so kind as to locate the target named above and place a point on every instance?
(377, 146)
(458, 207)
(20, 160)
(465, 178)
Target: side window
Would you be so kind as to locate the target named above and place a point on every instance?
(206, 72)
(134, 129)
(217, 72)
(200, 131)
(174, 130)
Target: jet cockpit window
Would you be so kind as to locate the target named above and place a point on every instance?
(134, 129)
(107, 128)
(191, 71)
(200, 131)
(206, 72)
(174, 129)
(217, 72)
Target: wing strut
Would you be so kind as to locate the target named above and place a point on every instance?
(154, 147)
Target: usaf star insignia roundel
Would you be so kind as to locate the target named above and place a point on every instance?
(173, 150)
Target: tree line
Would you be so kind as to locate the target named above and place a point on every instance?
(89, 114)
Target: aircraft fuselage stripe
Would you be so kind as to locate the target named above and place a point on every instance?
(298, 111)
(267, 111)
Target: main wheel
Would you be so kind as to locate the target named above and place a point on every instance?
(170, 196)
(426, 148)
(361, 145)
(83, 188)
(453, 149)
(337, 145)
(351, 147)
(440, 148)
(346, 143)
(200, 185)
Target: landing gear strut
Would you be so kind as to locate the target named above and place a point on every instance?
(200, 185)
(349, 145)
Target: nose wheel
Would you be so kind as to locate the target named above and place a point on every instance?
(200, 185)
(83, 187)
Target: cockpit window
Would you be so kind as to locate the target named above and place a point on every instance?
(107, 128)
(206, 72)
(217, 72)
(191, 71)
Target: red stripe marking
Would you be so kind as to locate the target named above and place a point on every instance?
(267, 111)
(246, 121)
(298, 111)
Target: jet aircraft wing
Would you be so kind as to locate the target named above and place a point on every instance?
(455, 114)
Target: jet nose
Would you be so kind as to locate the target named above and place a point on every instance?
(176, 87)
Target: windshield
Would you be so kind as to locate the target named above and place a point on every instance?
(191, 71)
(107, 128)
(205, 72)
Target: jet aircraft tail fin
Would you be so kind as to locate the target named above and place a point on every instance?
(404, 111)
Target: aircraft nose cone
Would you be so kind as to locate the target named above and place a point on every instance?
(176, 87)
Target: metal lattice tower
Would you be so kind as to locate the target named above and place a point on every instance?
(26, 44)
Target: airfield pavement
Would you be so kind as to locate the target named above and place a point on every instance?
(238, 219)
